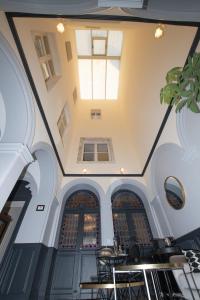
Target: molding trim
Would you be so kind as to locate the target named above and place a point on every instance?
(13, 29)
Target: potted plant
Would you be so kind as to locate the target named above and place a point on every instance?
(183, 86)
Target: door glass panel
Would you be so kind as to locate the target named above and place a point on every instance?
(121, 228)
(142, 231)
(69, 231)
(90, 231)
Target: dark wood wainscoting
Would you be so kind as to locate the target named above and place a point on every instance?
(69, 269)
(24, 272)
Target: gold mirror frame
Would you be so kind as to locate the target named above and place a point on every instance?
(182, 192)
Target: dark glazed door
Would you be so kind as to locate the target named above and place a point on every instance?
(79, 237)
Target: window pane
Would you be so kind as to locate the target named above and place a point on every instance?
(88, 157)
(142, 231)
(102, 147)
(99, 74)
(90, 231)
(114, 43)
(103, 156)
(45, 71)
(99, 47)
(39, 46)
(99, 33)
(85, 78)
(46, 44)
(83, 42)
(121, 228)
(88, 147)
(112, 79)
(51, 67)
(69, 231)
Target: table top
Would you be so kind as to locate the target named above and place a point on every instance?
(113, 256)
(109, 285)
(140, 267)
(168, 250)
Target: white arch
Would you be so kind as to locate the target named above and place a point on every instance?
(67, 190)
(45, 175)
(141, 190)
(48, 168)
(17, 109)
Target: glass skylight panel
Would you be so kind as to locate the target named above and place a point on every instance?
(114, 43)
(99, 33)
(99, 47)
(83, 42)
(99, 77)
(112, 79)
(85, 78)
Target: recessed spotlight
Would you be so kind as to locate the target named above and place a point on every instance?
(84, 171)
(122, 171)
(159, 32)
(60, 27)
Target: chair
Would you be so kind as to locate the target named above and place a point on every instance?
(192, 278)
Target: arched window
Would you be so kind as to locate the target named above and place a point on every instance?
(130, 219)
(81, 222)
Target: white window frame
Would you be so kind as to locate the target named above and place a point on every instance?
(63, 122)
(44, 59)
(95, 141)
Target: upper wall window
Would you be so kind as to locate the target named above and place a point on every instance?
(68, 50)
(63, 122)
(95, 150)
(43, 45)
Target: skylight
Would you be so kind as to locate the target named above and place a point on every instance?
(99, 53)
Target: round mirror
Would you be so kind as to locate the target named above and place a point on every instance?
(174, 192)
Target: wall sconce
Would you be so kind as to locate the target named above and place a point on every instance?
(159, 32)
(122, 171)
(60, 27)
(84, 171)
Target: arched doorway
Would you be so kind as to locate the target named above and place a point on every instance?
(75, 261)
(80, 225)
(131, 226)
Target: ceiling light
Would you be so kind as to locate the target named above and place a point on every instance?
(60, 27)
(84, 171)
(159, 32)
(122, 171)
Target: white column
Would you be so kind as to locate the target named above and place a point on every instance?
(107, 232)
(13, 158)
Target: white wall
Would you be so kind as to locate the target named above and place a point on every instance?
(54, 98)
(146, 62)
(131, 132)
(180, 158)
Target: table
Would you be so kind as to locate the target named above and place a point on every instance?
(151, 268)
(105, 265)
(166, 252)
